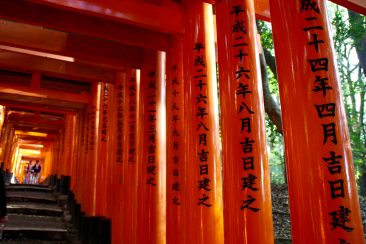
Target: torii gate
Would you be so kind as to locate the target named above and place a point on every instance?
(162, 152)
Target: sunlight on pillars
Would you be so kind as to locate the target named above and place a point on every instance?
(161, 124)
(96, 141)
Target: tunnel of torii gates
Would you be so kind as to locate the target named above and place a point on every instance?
(122, 97)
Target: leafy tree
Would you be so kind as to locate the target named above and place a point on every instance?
(350, 44)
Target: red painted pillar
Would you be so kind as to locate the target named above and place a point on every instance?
(247, 193)
(119, 150)
(176, 163)
(91, 163)
(131, 174)
(103, 206)
(204, 187)
(81, 154)
(152, 161)
(322, 188)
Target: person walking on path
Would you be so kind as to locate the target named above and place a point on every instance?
(27, 172)
(36, 172)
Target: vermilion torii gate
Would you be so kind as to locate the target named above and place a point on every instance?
(145, 150)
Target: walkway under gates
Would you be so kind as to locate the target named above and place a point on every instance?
(118, 102)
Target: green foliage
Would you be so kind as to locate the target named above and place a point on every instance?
(347, 35)
(265, 31)
(274, 138)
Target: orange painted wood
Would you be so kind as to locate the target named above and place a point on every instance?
(176, 166)
(89, 157)
(355, 5)
(124, 217)
(31, 120)
(204, 186)
(322, 188)
(76, 152)
(151, 196)
(33, 107)
(80, 167)
(93, 164)
(69, 145)
(85, 49)
(246, 178)
(261, 8)
(103, 150)
(42, 93)
(27, 62)
(167, 17)
(76, 22)
(118, 154)
(131, 164)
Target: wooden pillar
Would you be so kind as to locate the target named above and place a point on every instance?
(322, 188)
(204, 196)
(76, 152)
(68, 145)
(82, 125)
(119, 151)
(152, 164)
(176, 163)
(103, 207)
(247, 193)
(84, 192)
(131, 174)
(90, 170)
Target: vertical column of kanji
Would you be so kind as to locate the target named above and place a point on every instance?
(66, 148)
(81, 155)
(322, 188)
(176, 187)
(61, 167)
(103, 155)
(119, 159)
(67, 142)
(109, 117)
(56, 167)
(130, 182)
(85, 177)
(204, 197)
(151, 181)
(247, 194)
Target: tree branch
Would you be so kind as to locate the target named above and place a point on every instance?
(272, 108)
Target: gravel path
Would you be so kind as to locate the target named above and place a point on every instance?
(281, 215)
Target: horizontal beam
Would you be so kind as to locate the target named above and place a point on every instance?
(51, 135)
(29, 94)
(78, 22)
(7, 97)
(15, 60)
(355, 5)
(166, 17)
(35, 108)
(262, 9)
(84, 49)
(35, 121)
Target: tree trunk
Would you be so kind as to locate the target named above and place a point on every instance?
(272, 108)
(359, 37)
